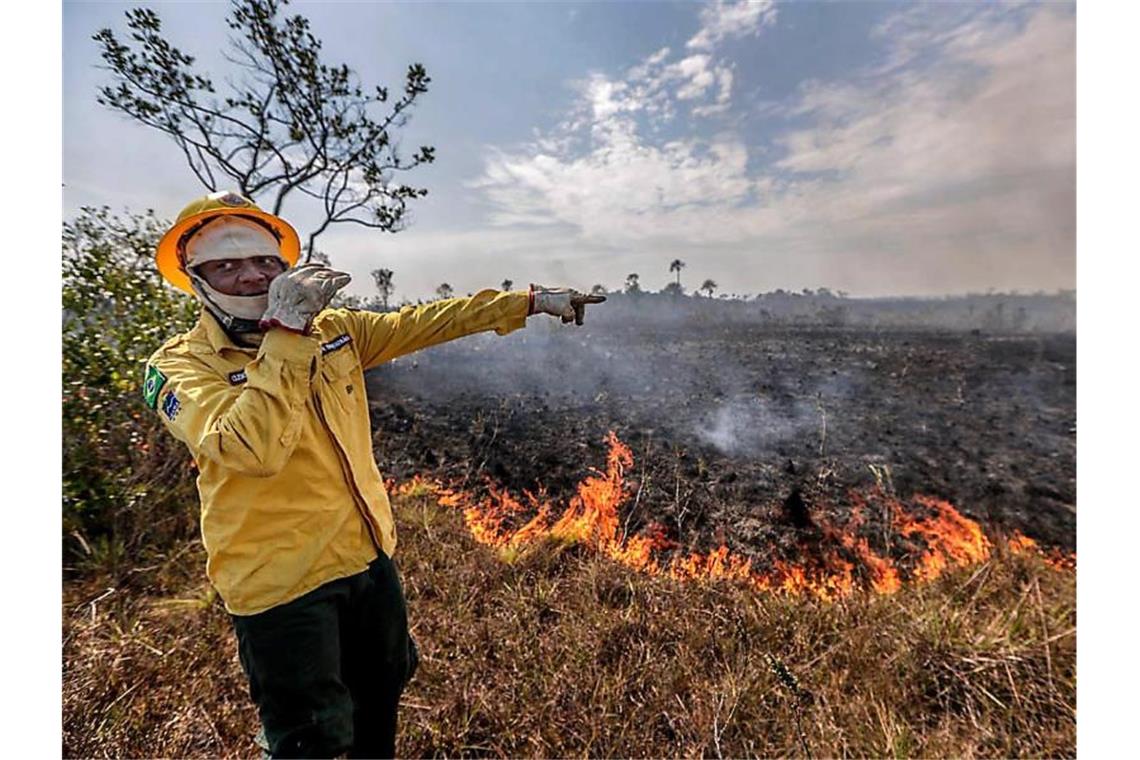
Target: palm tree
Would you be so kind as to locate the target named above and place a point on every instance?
(708, 286)
(676, 266)
(444, 291)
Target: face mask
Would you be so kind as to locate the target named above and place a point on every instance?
(242, 307)
(229, 237)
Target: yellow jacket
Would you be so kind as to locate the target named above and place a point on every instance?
(291, 495)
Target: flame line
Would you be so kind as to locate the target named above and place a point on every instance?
(835, 566)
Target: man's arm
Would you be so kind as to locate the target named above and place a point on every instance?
(383, 337)
(251, 427)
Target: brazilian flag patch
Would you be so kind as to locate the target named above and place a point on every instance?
(152, 386)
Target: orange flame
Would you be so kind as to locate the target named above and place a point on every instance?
(952, 540)
(1019, 543)
(834, 566)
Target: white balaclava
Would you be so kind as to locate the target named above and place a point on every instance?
(229, 237)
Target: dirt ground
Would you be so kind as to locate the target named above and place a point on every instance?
(741, 434)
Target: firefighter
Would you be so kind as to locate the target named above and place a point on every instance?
(267, 391)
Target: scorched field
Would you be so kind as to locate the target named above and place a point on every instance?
(844, 453)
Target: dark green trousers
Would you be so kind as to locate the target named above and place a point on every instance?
(326, 670)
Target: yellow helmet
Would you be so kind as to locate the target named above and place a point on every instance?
(169, 254)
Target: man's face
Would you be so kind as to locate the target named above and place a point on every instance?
(241, 277)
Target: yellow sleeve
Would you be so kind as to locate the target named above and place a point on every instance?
(383, 337)
(252, 427)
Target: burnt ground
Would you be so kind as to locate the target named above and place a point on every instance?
(740, 433)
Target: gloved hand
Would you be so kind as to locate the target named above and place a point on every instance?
(297, 295)
(567, 303)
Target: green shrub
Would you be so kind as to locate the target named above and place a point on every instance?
(127, 484)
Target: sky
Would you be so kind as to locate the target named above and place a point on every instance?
(874, 148)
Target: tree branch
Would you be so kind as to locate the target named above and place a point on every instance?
(291, 122)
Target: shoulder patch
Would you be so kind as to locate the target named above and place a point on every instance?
(171, 405)
(237, 378)
(152, 385)
(339, 341)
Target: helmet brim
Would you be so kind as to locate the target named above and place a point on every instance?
(166, 255)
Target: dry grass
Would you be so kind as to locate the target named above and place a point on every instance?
(554, 652)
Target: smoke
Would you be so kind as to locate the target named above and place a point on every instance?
(747, 425)
(725, 432)
(728, 387)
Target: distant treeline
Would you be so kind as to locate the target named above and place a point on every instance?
(992, 312)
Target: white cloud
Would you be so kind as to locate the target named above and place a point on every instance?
(605, 97)
(696, 76)
(994, 110)
(949, 166)
(621, 190)
(724, 82)
(656, 86)
(721, 20)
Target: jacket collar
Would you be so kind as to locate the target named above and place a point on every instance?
(211, 332)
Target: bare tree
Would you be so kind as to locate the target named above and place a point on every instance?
(289, 123)
(383, 280)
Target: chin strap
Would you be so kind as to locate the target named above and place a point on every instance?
(238, 314)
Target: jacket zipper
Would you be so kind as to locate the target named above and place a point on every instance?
(346, 468)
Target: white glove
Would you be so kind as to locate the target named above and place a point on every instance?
(297, 295)
(567, 303)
